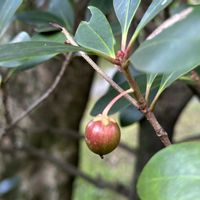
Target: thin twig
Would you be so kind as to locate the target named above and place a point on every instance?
(95, 66)
(7, 114)
(68, 168)
(139, 103)
(35, 104)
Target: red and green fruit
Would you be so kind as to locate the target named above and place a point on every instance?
(102, 135)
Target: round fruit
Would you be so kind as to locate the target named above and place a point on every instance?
(102, 135)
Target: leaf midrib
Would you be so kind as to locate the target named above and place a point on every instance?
(110, 51)
(171, 178)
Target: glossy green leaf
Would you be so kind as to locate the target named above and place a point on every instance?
(26, 50)
(103, 5)
(155, 7)
(168, 79)
(116, 28)
(129, 115)
(54, 37)
(32, 61)
(7, 11)
(151, 78)
(22, 36)
(173, 49)
(40, 19)
(96, 35)
(172, 174)
(64, 10)
(125, 11)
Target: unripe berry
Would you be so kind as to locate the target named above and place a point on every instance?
(102, 135)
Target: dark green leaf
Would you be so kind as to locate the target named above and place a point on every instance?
(173, 49)
(64, 10)
(125, 11)
(116, 28)
(104, 100)
(54, 37)
(40, 19)
(129, 116)
(172, 174)
(111, 93)
(151, 78)
(26, 50)
(7, 11)
(96, 35)
(168, 79)
(35, 60)
(103, 5)
(155, 7)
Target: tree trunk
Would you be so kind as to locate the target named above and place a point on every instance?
(62, 110)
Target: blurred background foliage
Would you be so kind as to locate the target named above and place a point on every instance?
(53, 161)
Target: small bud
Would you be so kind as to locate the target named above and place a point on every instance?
(120, 55)
(102, 135)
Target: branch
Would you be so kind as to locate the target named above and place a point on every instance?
(7, 114)
(68, 168)
(139, 103)
(143, 107)
(35, 104)
(95, 66)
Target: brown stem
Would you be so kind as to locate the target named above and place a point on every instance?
(98, 69)
(160, 132)
(140, 103)
(133, 84)
(143, 107)
(7, 115)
